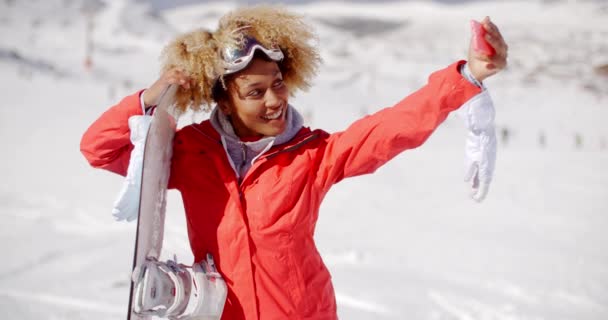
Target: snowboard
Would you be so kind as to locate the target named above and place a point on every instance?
(154, 179)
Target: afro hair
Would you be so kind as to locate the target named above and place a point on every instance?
(198, 52)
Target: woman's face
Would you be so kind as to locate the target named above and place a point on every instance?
(258, 100)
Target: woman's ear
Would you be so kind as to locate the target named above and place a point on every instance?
(225, 107)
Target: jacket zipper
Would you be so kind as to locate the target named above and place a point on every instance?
(243, 162)
(311, 137)
(244, 149)
(206, 136)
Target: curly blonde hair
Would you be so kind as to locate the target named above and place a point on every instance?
(198, 52)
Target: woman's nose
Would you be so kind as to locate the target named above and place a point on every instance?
(272, 100)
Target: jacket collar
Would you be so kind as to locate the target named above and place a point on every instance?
(242, 155)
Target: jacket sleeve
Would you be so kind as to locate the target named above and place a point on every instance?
(373, 140)
(106, 144)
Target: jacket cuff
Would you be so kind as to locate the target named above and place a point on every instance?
(460, 86)
(467, 74)
(145, 110)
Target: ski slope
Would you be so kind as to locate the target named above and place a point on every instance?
(404, 243)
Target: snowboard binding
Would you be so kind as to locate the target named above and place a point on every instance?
(179, 292)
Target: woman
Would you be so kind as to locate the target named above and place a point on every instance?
(252, 178)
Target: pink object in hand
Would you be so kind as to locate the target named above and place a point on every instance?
(479, 42)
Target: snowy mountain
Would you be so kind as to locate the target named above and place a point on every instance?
(404, 243)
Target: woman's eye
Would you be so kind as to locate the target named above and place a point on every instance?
(278, 83)
(254, 93)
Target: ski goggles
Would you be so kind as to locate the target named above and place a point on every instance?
(238, 57)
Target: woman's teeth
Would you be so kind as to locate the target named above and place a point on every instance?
(274, 116)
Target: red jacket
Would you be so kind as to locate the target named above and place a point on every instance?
(261, 230)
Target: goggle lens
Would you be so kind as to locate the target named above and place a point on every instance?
(238, 57)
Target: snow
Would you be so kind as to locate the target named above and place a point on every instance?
(405, 242)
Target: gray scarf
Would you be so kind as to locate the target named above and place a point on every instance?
(242, 154)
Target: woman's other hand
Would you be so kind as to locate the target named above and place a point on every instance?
(171, 76)
(483, 65)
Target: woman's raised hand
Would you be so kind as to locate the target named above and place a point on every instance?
(171, 76)
(483, 65)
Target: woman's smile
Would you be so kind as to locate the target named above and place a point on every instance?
(275, 115)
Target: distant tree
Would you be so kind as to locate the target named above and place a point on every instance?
(127, 84)
(602, 70)
(578, 140)
(542, 139)
(505, 135)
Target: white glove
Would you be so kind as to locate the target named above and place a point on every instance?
(480, 147)
(126, 205)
